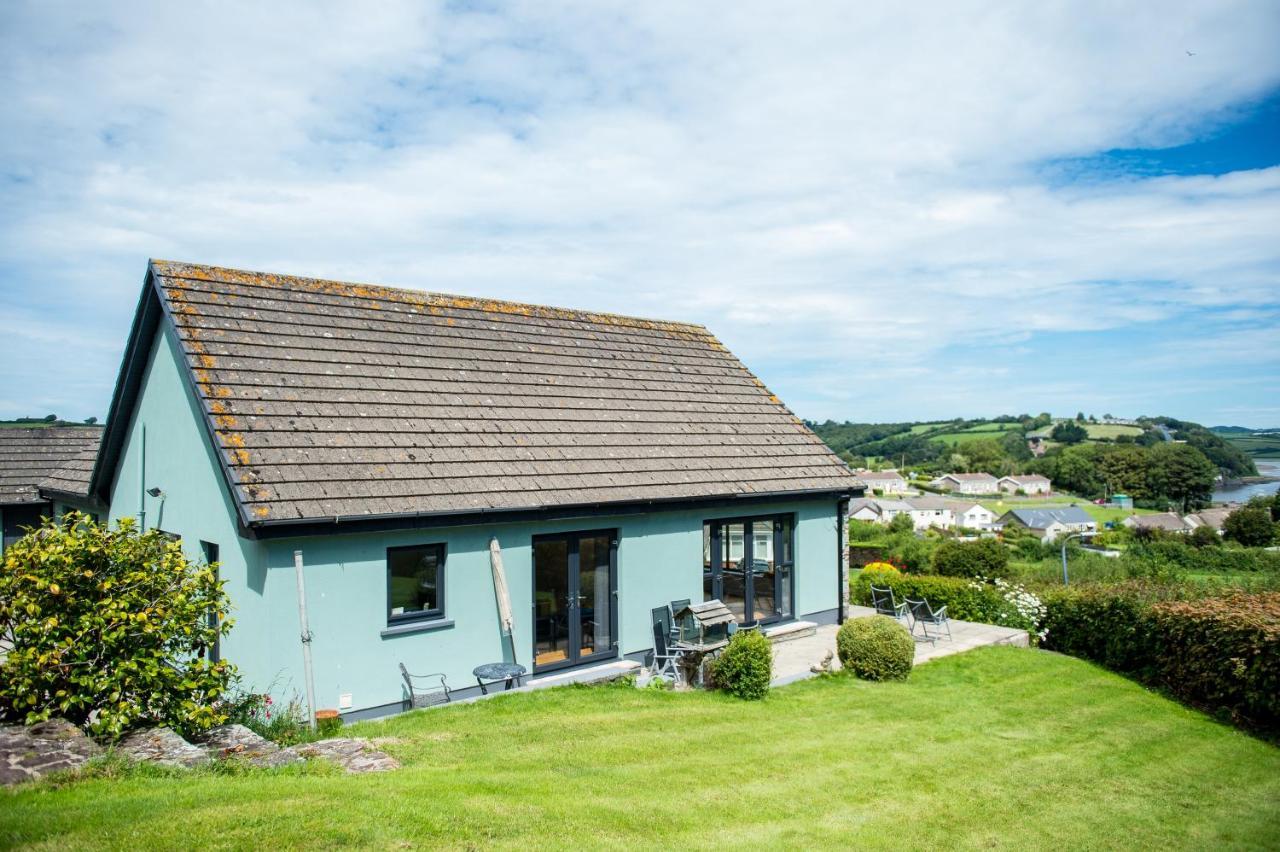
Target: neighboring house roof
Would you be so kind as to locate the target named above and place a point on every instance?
(965, 508)
(1040, 519)
(50, 458)
(1167, 521)
(1212, 517)
(879, 475)
(929, 504)
(1028, 479)
(330, 401)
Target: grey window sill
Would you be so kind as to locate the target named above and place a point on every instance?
(418, 627)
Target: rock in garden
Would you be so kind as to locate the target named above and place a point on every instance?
(235, 741)
(163, 746)
(28, 752)
(353, 755)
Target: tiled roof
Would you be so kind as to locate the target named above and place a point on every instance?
(331, 399)
(969, 477)
(58, 458)
(1039, 519)
(881, 475)
(1168, 521)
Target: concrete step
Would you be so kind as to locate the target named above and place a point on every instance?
(791, 630)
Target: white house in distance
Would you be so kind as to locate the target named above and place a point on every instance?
(1048, 524)
(967, 483)
(883, 481)
(1032, 483)
(973, 516)
(877, 511)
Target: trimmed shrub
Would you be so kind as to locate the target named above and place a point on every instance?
(875, 648)
(982, 558)
(745, 667)
(108, 629)
(1251, 526)
(1220, 654)
(1203, 537)
(1223, 654)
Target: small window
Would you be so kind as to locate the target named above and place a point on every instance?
(209, 551)
(415, 582)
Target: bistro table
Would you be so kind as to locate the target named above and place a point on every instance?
(494, 672)
(693, 655)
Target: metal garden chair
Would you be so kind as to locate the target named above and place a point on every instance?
(885, 604)
(925, 615)
(666, 660)
(430, 695)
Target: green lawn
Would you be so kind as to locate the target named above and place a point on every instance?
(1110, 430)
(998, 748)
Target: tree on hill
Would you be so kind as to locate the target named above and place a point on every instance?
(1069, 433)
(1183, 474)
(90, 421)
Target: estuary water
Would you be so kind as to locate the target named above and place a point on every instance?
(1242, 493)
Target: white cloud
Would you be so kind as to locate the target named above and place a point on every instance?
(790, 178)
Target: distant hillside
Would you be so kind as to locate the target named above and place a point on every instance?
(1000, 443)
(43, 422)
(1257, 443)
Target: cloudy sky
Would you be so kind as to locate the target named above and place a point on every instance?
(889, 211)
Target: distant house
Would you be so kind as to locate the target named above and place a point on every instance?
(967, 483)
(877, 511)
(932, 512)
(44, 473)
(1032, 483)
(1049, 524)
(884, 481)
(1212, 518)
(1164, 521)
(973, 516)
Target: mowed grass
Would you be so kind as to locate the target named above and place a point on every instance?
(1110, 430)
(998, 748)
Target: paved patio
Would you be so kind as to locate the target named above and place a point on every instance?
(793, 658)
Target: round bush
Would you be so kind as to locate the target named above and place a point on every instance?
(745, 666)
(875, 648)
(985, 557)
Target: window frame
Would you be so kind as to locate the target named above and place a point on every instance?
(787, 520)
(436, 614)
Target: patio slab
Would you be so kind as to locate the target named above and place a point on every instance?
(793, 660)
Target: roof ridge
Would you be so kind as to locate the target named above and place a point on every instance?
(182, 269)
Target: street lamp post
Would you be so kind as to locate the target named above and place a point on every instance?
(1064, 554)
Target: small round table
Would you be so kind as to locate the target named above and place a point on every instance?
(494, 672)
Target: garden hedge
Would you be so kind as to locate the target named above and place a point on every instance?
(966, 600)
(1220, 654)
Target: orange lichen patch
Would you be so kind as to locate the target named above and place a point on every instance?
(240, 457)
(257, 492)
(225, 421)
(262, 511)
(218, 407)
(203, 377)
(232, 439)
(774, 400)
(205, 361)
(220, 392)
(432, 301)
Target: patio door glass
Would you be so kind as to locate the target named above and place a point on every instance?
(747, 565)
(573, 592)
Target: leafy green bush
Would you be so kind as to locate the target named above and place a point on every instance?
(875, 647)
(985, 557)
(1203, 537)
(1251, 526)
(1176, 555)
(902, 523)
(108, 629)
(745, 667)
(1222, 654)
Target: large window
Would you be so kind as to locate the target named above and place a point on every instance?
(747, 564)
(415, 582)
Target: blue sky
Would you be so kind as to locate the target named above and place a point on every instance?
(889, 214)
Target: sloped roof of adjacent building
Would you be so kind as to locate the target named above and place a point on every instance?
(52, 458)
(1212, 517)
(1039, 519)
(1025, 477)
(1168, 521)
(329, 400)
(891, 475)
(968, 477)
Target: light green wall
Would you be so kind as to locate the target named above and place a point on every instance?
(196, 504)
(659, 559)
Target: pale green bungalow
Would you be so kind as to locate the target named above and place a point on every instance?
(398, 440)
